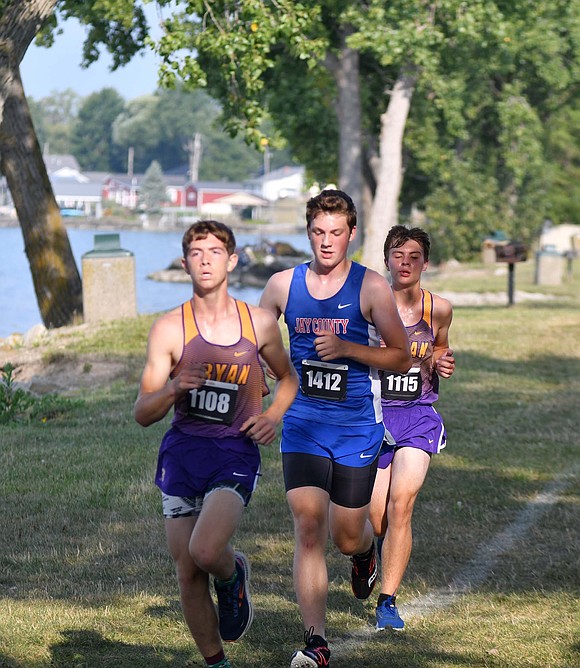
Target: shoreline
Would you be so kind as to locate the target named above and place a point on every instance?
(118, 224)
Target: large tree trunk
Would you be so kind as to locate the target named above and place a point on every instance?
(385, 208)
(344, 68)
(349, 114)
(54, 272)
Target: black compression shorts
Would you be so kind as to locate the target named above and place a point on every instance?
(347, 486)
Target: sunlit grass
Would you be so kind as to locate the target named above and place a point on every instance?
(86, 581)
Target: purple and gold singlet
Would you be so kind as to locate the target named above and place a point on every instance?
(235, 380)
(420, 385)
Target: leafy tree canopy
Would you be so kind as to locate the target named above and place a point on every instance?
(162, 127)
(92, 138)
(54, 117)
(489, 76)
(118, 26)
(153, 187)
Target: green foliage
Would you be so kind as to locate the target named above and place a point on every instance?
(118, 26)
(462, 211)
(489, 75)
(477, 123)
(153, 188)
(161, 126)
(92, 137)
(563, 152)
(14, 401)
(496, 97)
(234, 45)
(17, 405)
(313, 132)
(53, 117)
(157, 126)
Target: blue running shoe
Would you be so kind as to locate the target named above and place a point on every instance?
(388, 616)
(235, 610)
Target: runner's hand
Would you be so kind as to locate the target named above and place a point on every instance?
(445, 365)
(329, 346)
(190, 378)
(260, 428)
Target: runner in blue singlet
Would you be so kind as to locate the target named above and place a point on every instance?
(335, 311)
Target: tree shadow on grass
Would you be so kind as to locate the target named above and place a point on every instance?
(170, 611)
(89, 649)
(8, 662)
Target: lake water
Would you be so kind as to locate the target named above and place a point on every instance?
(152, 250)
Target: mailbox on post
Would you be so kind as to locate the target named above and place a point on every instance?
(511, 252)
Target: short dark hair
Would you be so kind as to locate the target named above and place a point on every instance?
(331, 201)
(202, 228)
(399, 235)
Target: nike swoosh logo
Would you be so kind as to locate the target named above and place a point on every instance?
(417, 333)
(240, 475)
(430, 440)
(240, 353)
(340, 306)
(363, 455)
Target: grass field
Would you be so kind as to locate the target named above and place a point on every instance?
(86, 581)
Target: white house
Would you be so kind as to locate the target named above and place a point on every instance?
(282, 183)
(76, 193)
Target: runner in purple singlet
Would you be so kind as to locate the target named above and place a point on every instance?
(408, 412)
(203, 360)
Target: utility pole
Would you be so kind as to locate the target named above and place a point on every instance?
(265, 144)
(194, 149)
(130, 161)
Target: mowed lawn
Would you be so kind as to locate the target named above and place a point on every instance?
(86, 581)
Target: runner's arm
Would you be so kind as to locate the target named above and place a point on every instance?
(275, 294)
(443, 360)
(262, 428)
(157, 394)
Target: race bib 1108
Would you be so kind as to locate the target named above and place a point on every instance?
(213, 402)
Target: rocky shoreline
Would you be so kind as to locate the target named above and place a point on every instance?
(256, 264)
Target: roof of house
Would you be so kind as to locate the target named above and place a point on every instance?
(65, 187)
(226, 186)
(283, 172)
(242, 199)
(99, 177)
(58, 161)
(125, 179)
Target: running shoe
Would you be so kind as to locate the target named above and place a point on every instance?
(388, 616)
(315, 655)
(364, 573)
(235, 610)
(224, 663)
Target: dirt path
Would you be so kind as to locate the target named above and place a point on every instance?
(42, 363)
